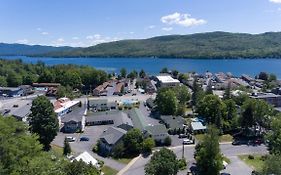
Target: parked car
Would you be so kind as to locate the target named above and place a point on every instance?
(134, 94)
(236, 142)
(187, 142)
(84, 139)
(182, 136)
(70, 139)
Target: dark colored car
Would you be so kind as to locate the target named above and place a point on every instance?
(236, 142)
(84, 139)
(182, 136)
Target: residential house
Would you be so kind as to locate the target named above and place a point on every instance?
(22, 113)
(157, 132)
(110, 138)
(118, 89)
(101, 89)
(173, 122)
(74, 121)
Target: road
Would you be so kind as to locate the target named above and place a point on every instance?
(237, 167)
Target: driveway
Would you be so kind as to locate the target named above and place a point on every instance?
(237, 166)
(92, 132)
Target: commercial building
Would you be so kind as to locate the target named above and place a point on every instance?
(11, 91)
(167, 81)
(273, 99)
(95, 104)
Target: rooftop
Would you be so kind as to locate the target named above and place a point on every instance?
(156, 129)
(137, 118)
(198, 126)
(87, 158)
(167, 79)
(112, 135)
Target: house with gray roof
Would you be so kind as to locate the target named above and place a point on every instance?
(157, 132)
(110, 138)
(95, 104)
(173, 122)
(22, 113)
(74, 121)
(137, 119)
(116, 118)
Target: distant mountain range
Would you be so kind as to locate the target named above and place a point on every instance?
(201, 45)
(27, 50)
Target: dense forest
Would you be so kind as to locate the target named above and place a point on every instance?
(23, 49)
(202, 45)
(14, 73)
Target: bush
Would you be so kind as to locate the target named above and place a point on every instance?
(182, 164)
(251, 157)
(167, 141)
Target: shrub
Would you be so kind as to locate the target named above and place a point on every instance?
(251, 157)
(182, 164)
(167, 141)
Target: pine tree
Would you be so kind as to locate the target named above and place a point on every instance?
(66, 148)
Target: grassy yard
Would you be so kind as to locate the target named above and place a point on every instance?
(57, 149)
(223, 138)
(124, 160)
(256, 163)
(108, 171)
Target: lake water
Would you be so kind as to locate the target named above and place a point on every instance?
(154, 65)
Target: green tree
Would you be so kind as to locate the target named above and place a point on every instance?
(164, 70)
(231, 118)
(167, 141)
(274, 136)
(14, 79)
(72, 79)
(43, 121)
(175, 73)
(133, 142)
(29, 79)
(248, 110)
(212, 108)
(197, 94)
(166, 101)
(208, 156)
(272, 165)
(263, 76)
(163, 162)
(148, 145)
(123, 73)
(46, 77)
(227, 92)
(16, 146)
(133, 74)
(142, 73)
(80, 168)
(66, 147)
(182, 94)
(3, 81)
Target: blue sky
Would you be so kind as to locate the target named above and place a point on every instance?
(89, 22)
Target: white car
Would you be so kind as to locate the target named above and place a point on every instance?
(70, 139)
(187, 142)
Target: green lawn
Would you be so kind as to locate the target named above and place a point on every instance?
(57, 149)
(256, 163)
(108, 171)
(124, 160)
(226, 138)
(223, 138)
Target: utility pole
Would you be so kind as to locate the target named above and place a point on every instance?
(182, 150)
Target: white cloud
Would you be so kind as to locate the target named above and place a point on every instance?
(151, 27)
(167, 29)
(44, 33)
(89, 37)
(97, 36)
(275, 1)
(132, 33)
(75, 38)
(182, 19)
(23, 41)
(39, 29)
(60, 40)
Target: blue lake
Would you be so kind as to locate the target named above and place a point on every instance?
(154, 65)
